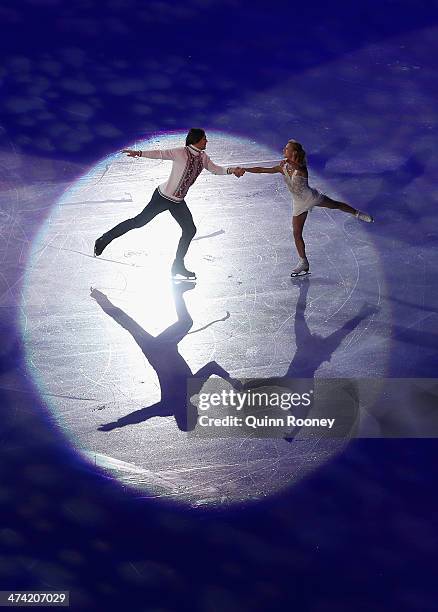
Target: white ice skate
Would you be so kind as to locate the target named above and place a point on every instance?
(301, 269)
(364, 217)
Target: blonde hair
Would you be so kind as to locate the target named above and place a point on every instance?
(300, 152)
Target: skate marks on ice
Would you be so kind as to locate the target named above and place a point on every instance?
(212, 235)
(100, 258)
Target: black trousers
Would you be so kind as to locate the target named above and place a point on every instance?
(179, 211)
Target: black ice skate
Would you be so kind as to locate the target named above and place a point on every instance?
(179, 270)
(99, 246)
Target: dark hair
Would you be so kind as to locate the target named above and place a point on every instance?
(194, 135)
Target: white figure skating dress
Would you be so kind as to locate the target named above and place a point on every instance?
(304, 198)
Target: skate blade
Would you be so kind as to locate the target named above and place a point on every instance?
(303, 273)
(181, 277)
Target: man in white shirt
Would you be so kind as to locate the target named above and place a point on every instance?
(188, 163)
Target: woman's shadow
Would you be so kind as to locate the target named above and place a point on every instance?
(312, 350)
(172, 370)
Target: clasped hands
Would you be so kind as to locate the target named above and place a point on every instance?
(239, 172)
(132, 153)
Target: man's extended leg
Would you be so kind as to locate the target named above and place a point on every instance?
(156, 205)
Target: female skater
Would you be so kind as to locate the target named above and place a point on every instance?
(304, 198)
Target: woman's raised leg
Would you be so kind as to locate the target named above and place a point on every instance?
(327, 202)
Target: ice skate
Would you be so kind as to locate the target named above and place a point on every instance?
(99, 246)
(179, 270)
(301, 269)
(364, 217)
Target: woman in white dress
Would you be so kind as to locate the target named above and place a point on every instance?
(304, 198)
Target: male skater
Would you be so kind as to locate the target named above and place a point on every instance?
(188, 163)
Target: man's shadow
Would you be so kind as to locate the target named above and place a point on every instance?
(162, 353)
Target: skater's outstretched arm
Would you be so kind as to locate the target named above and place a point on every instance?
(152, 154)
(215, 169)
(261, 170)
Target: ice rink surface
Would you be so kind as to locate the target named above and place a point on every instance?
(244, 318)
